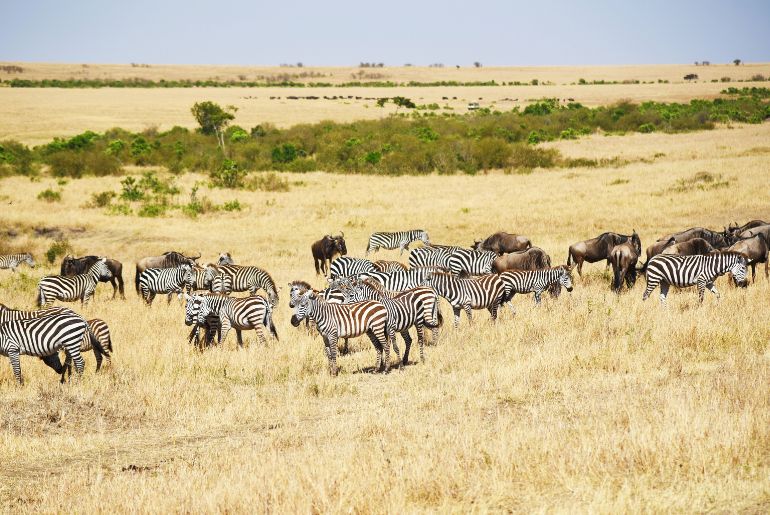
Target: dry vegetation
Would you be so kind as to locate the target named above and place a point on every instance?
(35, 116)
(594, 402)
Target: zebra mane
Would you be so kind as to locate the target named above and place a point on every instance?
(301, 284)
(730, 253)
(373, 285)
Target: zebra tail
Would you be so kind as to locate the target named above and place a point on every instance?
(269, 323)
(39, 297)
(96, 344)
(440, 321)
(136, 280)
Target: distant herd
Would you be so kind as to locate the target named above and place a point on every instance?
(376, 298)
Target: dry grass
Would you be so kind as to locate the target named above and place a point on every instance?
(37, 115)
(594, 402)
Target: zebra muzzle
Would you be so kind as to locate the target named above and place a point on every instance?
(295, 321)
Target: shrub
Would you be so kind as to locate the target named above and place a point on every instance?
(569, 133)
(67, 164)
(131, 189)
(49, 195)
(16, 158)
(102, 199)
(646, 128)
(153, 209)
(526, 157)
(270, 181)
(233, 205)
(229, 175)
(758, 78)
(285, 153)
(59, 247)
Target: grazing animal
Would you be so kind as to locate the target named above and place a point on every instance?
(417, 307)
(101, 331)
(486, 291)
(503, 242)
(71, 288)
(702, 271)
(431, 256)
(12, 261)
(596, 249)
(399, 280)
(716, 239)
(537, 281)
(164, 280)
(346, 320)
(225, 259)
(750, 233)
(44, 336)
(472, 262)
(245, 278)
(395, 240)
(347, 266)
(389, 266)
(73, 266)
(332, 295)
(171, 259)
(736, 230)
(326, 249)
(533, 258)
(692, 247)
(240, 314)
(202, 277)
(655, 249)
(756, 251)
(624, 258)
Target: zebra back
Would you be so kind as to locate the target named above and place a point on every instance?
(165, 280)
(346, 266)
(430, 257)
(477, 292)
(474, 262)
(245, 278)
(683, 271)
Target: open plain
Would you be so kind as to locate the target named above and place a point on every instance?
(593, 402)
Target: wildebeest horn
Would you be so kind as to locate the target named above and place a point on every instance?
(342, 234)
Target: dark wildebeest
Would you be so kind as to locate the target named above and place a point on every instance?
(502, 243)
(716, 239)
(596, 249)
(750, 233)
(166, 260)
(755, 249)
(736, 230)
(533, 258)
(693, 247)
(72, 266)
(326, 249)
(624, 258)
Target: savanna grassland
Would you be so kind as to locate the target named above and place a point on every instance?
(593, 402)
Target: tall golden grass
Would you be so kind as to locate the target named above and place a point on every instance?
(592, 402)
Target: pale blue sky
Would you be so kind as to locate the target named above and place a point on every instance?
(344, 32)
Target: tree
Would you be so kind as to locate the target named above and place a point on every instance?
(477, 64)
(403, 102)
(737, 62)
(213, 119)
(691, 76)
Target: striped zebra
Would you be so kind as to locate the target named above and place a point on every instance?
(401, 280)
(164, 280)
(473, 262)
(202, 277)
(244, 278)
(346, 266)
(44, 336)
(537, 281)
(73, 287)
(430, 257)
(395, 240)
(486, 291)
(12, 261)
(346, 320)
(389, 266)
(417, 307)
(252, 312)
(700, 271)
(101, 331)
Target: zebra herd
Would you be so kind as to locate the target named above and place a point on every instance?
(376, 298)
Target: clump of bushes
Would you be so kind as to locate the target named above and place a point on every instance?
(49, 195)
(60, 247)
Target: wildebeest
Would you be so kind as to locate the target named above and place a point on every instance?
(693, 247)
(596, 249)
(716, 239)
(750, 233)
(326, 249)
(166, 260)
(736, 230)
(503, 242)
(755, 249)
(73, 266)
(656, 248)
(624, 258)
(533, 258)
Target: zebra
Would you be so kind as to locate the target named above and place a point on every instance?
(164, 280)
(389, 266)
(346, 266)
(74, 287)
(12, 261)
(702, 271)
(346, 320)
(430, 257)
(486, 291)
(395, 240)
(202, 278)
(474, 262)
(242, 278)
(101, 331)
(44, 336)
(240, 314)
(417, 307)
(527, 281)
(332, 295)
(399, 281)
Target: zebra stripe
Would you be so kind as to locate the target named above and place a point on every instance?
(473, 262)
(395, 240)
(240, 314)
(14, 260)
(389, 266)
(74, 287)
(430, 257)
(701, 271)
(244, 278)
(101, 331)
(401, 280)
(346, 266)
(164, 280)
(417, 307)
(44, 337)
(537, 281)
(486, 291)
(202, 278)
(346, 320)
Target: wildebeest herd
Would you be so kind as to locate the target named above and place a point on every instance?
(376, 298)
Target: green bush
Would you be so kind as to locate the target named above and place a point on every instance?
(646, 128)
(132, 191)
(269, 181)
(233, 205)
(229, 175)
(102, 199)
(60, 247)
(49, 195)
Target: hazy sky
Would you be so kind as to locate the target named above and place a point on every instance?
(343, 32)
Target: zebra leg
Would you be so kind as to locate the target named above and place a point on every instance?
(493, 311)
(239, 337)
(469, 312)
(225, 325)
(701, 288)
(663, 292)
(13, 356)
(98, 355)
(169, 297)
(457, 316)
(420, 341)
(346, 347)
(54, 362)
(395, 345)
(407, 344)
(331, 348)
(538, 293)
(713, 289)
(651, 285)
